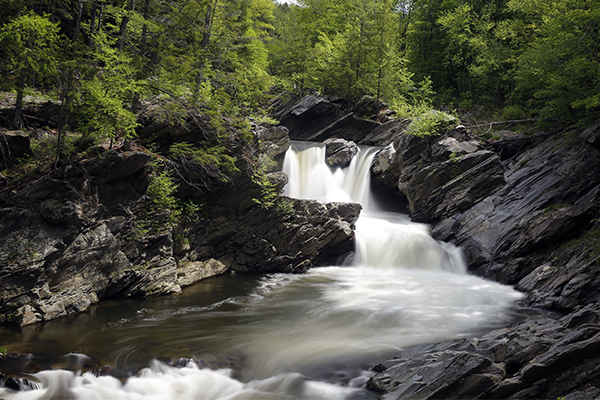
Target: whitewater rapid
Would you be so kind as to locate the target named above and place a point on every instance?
(306, 336)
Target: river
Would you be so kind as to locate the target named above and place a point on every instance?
(307, 336)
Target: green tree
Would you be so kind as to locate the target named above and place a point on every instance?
(29, 44)
(558, 72)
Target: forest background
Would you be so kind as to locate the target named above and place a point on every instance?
(102, 60)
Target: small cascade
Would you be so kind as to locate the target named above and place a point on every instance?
(297, 336)
(311, 178)
(383, 239)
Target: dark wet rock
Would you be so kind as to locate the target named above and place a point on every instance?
(305, 231)
(540, 357)
(509, 232)
(439, 176)
(592, 135)
(316, 118)
(311, 115)
(452, 186)
(349, 127)
(275, 140)
(339, 152)
(18, 384)
(549, 193)
(385, 134)
(13, 145)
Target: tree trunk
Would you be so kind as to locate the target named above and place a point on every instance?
(123, 28)
(93, 24)
(204, 44)
(78, 21)
(144, 38)
(18, 113)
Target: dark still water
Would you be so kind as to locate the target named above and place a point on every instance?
(307, 336)
(310, 336)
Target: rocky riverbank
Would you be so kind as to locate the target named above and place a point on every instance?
(87, 231)
(525, 211)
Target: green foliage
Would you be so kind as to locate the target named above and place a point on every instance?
(558, 68)
(29, 45)
(269, 196)
(103, 100)
(264, 120)
(3, 351)
(162, 191)
(430, 123)
(163, 195)
(211, 158)
(556, 206)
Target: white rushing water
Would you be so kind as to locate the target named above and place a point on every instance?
(298, 332)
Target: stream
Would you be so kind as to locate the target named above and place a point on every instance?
(280, 336)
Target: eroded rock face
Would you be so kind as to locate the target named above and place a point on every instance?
(339, 152)
(549, 193)
(549, 196)
(264, 240)
(439, 176)
(540, 357)
(86, 232)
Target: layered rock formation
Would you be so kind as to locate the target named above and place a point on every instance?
(86, 232)
(517, 207)
(510, 218)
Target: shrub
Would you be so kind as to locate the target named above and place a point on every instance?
(430, 123)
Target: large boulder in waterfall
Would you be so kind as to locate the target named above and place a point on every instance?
(349, 127)
(310, 116)
(339, 152)
(550, 192)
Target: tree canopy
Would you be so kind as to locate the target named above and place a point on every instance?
(102, 59)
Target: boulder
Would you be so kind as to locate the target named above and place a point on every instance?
(308, 117)
(315, 118)
(340, 152)
(189, 273)
(13, 145)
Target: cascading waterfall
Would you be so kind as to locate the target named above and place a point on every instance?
(382, 239)
(300, 336)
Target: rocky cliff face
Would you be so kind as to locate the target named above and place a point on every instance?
(513, 219)
(85, 232)
(525, 211)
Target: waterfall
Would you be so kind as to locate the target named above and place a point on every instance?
(383, 239)
(311, 178)
(281, 336)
